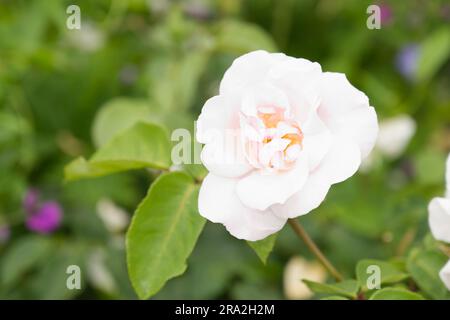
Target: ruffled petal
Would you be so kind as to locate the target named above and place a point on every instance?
(439, 218)
(341, 162)
(263, 96)
(338, 96)
(447, 177)
(218, 128)
(360, 126)
(248, 69)
(219, 203)
(346, 111)
(218, 114)
(317, 141)
(299, 79)
(259, 190)
(444, 274)
(311, 195)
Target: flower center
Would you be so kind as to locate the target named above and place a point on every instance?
(272, 139)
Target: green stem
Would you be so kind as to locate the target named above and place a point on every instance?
(302, 234)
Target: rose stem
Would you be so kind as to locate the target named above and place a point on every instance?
(301, 233)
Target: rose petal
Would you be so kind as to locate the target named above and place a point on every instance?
(439, 218)
(360, 125)
(299, 80)
(219, 203)
(310, 196)
(260, 190)
(317, 140)
(338, 96)
(346, 111)
(225, 157)
(218, 114)
(341, 161)
(447, 177)
(444, 274)
(263, 95)
(248, 69)
(218, 128)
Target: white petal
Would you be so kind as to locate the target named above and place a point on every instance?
(271, 149)
(338, 96)
(447, 177)
(346, 111)
(308, 198)
(218, 128)
(444, 274)
(218, 114)
(260, 190)
(341, 161)
(225, 157)
(299, 79)
(248, 69)
(395, 134)
(359, 125)
(439, 218)
(219, 203)
(263, 95)
(317, 140)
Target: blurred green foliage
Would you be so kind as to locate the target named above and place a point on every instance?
(64, 92)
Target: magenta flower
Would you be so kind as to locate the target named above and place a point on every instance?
(41, 217)
(385, 14)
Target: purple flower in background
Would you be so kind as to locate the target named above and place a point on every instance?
(445, 12)
(385, 13)
(406, 61)
(46, 219)
(5, 233)
(41, 217)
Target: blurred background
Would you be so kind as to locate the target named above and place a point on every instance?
(64, 92)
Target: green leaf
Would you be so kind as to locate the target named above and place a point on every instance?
(174, 80)
(198, 171)
(207, 262)
(424, 266)
(434, 53)
(163, 233)
(346, 288)
(389, 272)
(430, 167)
(143, 145)
(395, 294)
(22, 256)
(263, 247)
(118, 115)
(240, 37)
(50, 278)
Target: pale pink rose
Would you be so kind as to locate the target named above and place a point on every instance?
(277, 136)
(439, 220)
(444, 274)
(439, 212)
